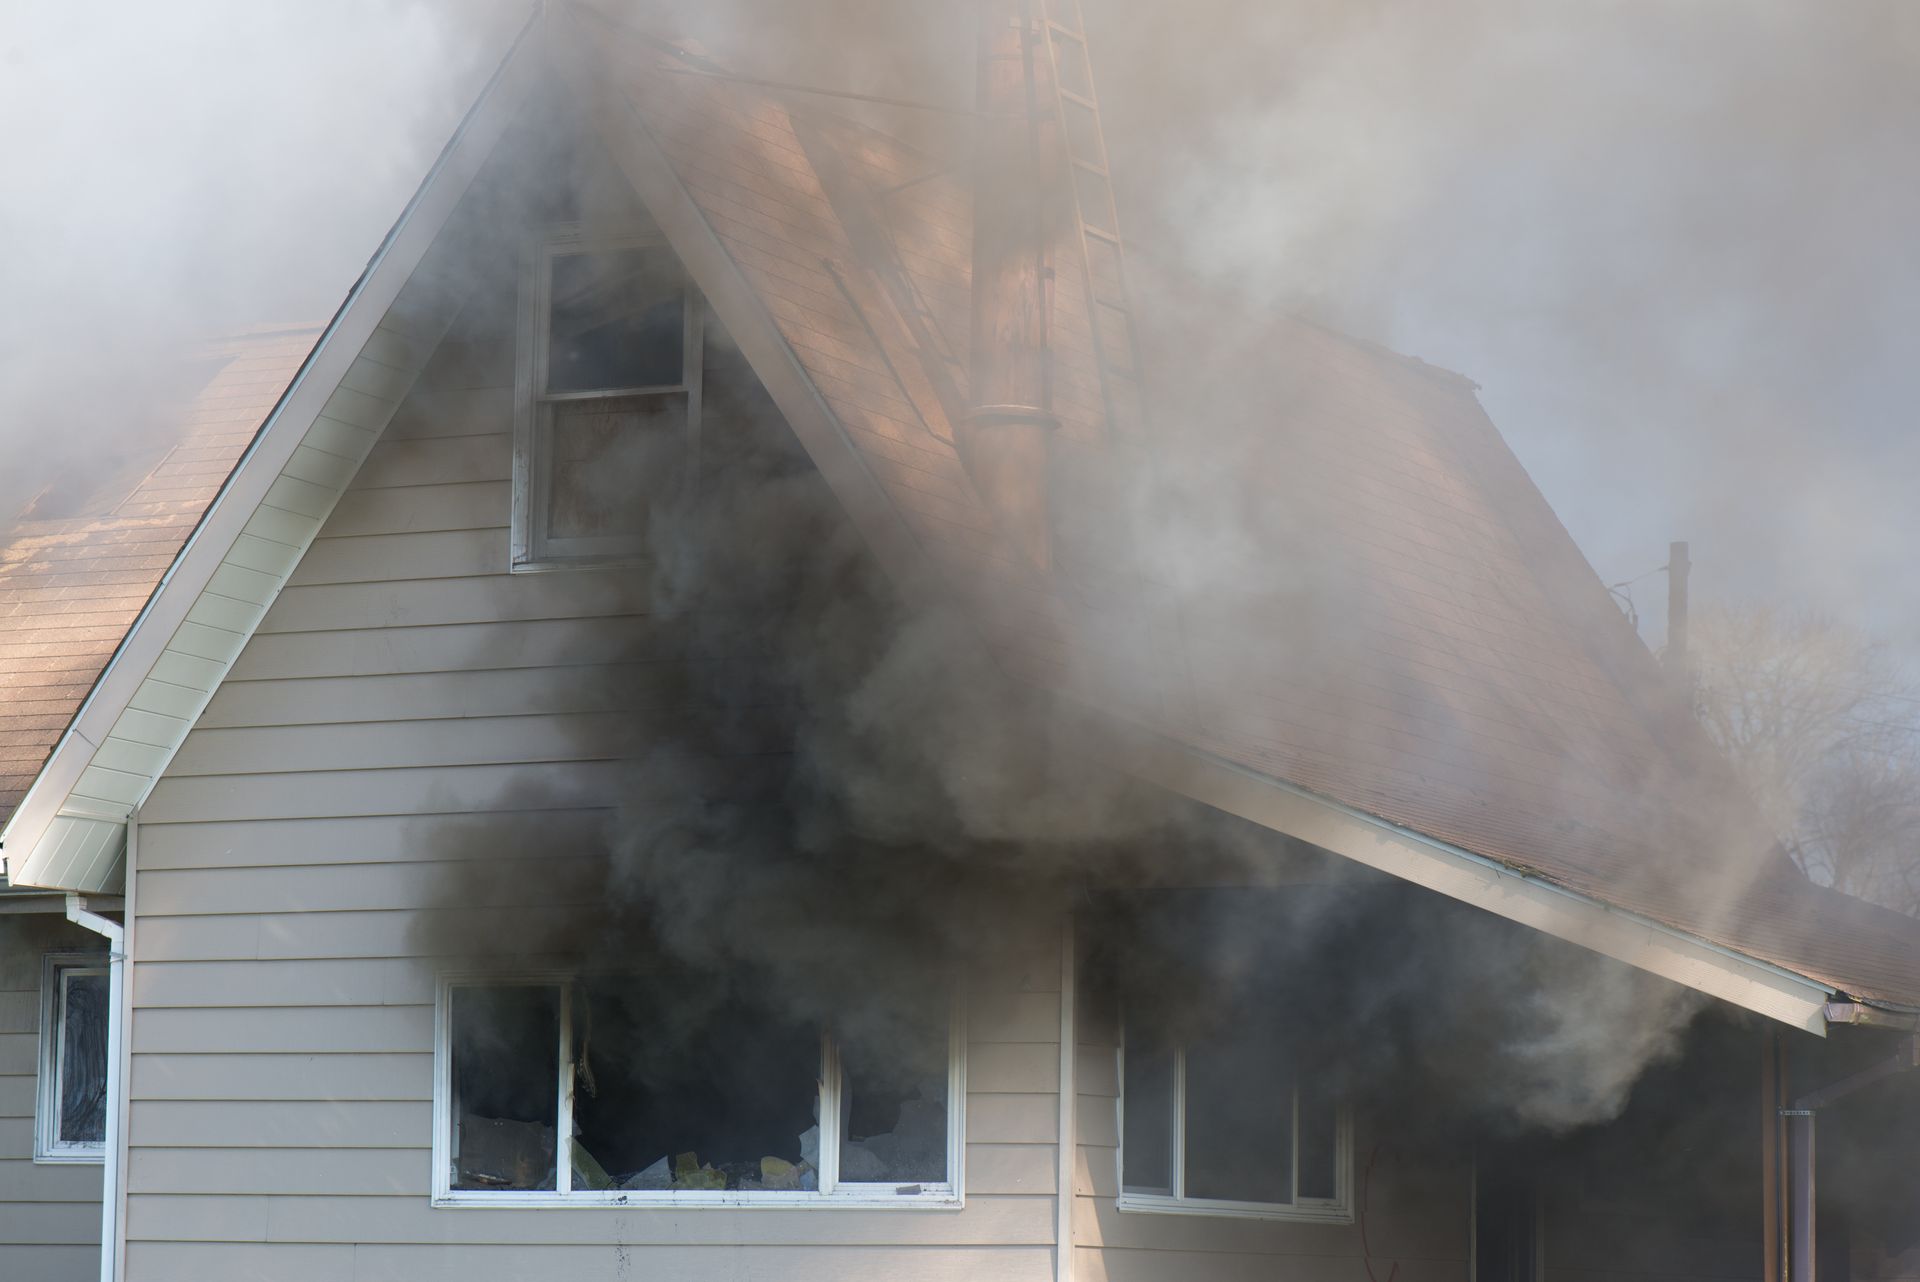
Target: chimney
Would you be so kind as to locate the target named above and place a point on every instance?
(1004, 439)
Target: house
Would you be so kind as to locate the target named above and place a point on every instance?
(709, 732)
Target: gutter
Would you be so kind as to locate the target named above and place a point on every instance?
(113, 1167)
(1067, 1141)
(1873, 1015)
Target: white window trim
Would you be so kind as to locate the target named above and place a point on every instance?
(1335, 1210)
(832, 1192)
(532, 402)
(48, 1147)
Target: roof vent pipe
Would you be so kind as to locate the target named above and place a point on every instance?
(1004, 439)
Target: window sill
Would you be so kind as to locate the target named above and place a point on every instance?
(938, 1200)
(552, 565)
(71, 1157)
(1320, 1213)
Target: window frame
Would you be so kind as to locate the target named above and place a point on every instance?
(833, 1192)
(1335, 1210)
(48, 1147)
(530, 550)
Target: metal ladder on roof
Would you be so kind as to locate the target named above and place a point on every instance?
(1116, 348)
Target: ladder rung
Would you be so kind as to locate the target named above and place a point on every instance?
(1078, 101)
(1112, 238)
(1097, 170)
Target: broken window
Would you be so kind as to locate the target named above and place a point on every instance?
(1225, 1119)
(609, 389)
(506, 1086)
(894, 1104)
(611, 1089)
(73, 1059)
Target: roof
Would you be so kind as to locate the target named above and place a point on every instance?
(1405, 627)
(79, 562)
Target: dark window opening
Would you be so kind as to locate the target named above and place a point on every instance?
(648, 1089)
(1319, 1141)
(727, 1102)
(1147, 1139)
(1239, 1113)
(506, 1075)
(893, 1104)
(616, 321)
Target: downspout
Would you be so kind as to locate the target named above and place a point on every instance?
(113, 1171)
(1773, 1098)
(1069, 1089)
(1800, 1196)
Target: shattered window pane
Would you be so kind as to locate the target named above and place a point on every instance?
(1147, 1137)
(893, 1103)
(673, 1095)
(83, 1056)
(506, 1070)
(617, 321)
(1239, 1117)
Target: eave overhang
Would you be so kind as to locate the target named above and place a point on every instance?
(1412, 856)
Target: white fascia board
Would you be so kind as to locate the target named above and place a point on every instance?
(1401, 852)
(38, 855)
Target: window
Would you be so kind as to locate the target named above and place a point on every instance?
(1226, 1124)
(609, 395)
(72, 1120)
(594, 1090)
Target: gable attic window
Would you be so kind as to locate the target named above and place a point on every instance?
(608, 390)
(71, 1121)
(589, 1090)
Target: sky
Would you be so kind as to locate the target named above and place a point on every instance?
(1672, 243)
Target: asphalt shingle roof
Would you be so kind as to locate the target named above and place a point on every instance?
(74, 577)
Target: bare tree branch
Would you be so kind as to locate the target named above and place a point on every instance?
(1823, 727)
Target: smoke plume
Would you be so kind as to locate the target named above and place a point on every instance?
(1673, 244)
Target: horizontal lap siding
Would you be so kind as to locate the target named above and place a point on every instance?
(49, 1213)
(389, 1262)
(291, 891)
